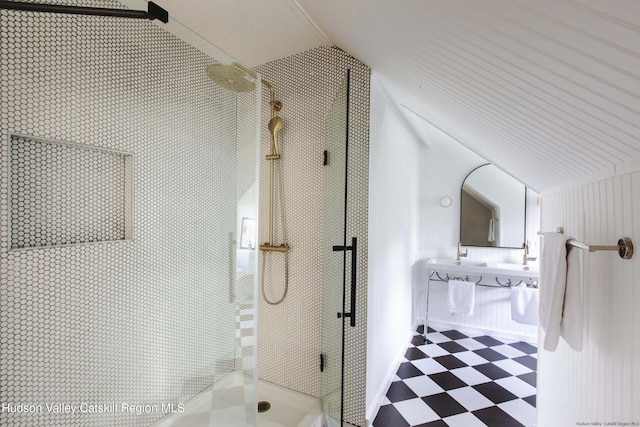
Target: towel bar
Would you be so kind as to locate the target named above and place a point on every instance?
(624, 246)
(478, 283)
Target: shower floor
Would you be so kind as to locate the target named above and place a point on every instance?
(229, 403)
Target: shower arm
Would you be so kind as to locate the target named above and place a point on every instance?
(275, 105)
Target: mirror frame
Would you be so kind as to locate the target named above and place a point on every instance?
(524, 213)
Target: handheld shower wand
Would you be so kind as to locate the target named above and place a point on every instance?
(275, 124)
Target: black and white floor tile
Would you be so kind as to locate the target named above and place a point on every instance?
(245, 339)
(455, 380)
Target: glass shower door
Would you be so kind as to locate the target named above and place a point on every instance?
(113, 330)
(335, 256)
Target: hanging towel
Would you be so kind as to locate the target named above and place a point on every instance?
(524, 305)
(560, 312)
(493, 230)
(572, 312)
(462, 297)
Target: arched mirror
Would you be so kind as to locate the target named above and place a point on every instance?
(492, 209)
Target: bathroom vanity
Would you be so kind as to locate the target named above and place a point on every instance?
(487, 274)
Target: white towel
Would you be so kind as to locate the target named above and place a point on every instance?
(572, 312)
(493, 230)
(560, 311)
(462, 297)
(524, 305)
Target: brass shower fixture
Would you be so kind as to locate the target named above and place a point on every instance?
(275, 105)
(275, 125)
(233, 77)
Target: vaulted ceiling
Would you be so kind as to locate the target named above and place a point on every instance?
(549, 90)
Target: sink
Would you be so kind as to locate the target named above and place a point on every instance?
(510, 266)
(469, 266)
(463, 262)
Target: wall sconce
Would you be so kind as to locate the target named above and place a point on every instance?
(446, 202)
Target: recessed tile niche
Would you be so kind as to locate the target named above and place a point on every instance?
(63, 193)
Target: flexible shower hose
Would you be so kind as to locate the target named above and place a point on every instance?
(284, 242)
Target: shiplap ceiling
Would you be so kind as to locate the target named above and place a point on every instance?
(548, 90)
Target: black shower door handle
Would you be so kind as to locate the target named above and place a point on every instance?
(354, 263)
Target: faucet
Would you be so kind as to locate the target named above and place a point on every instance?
(525, 256)
(460, 254)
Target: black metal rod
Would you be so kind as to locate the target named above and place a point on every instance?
(354, 265)
(344, 238)
(155, 12)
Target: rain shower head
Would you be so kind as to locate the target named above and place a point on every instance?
(230, 77)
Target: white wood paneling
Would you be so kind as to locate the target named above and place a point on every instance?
(601, 383)
(548, 90)
(531, 86)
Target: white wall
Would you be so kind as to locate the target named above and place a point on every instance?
(393, 240)
(601, 383)
(533, 223)
(444, 165)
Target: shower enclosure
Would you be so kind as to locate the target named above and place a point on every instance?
(128, 184)
(340, 250)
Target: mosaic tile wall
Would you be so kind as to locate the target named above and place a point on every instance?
(53, 184)
(146, 321)
(289, 334)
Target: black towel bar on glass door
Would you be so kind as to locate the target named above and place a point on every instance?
(624, 246)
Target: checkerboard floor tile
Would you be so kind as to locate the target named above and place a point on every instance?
(451, 379)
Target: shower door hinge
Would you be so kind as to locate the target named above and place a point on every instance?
(325, 158)
(321, 362)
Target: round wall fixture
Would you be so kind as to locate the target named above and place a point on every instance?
(446, 201)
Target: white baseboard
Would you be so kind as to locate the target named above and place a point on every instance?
(474, 330)
(382, 391)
